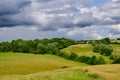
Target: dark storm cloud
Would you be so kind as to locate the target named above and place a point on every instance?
(9, 8)
(12, 6)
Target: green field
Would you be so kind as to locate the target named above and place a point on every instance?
(21, 66)
(85, 50)
(99, 72)
(19, 63)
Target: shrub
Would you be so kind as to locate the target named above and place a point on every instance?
(83, 59)
(103, 49)
(116, 61)
(65, 67)
(101, 61)
(73, 56)
(95, 75)
(92, 60)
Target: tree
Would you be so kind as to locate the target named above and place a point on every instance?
(116, 61)
(103, 49)
(5, 47)
(100, 60)
(93, 60)
(105, 41)
(106, 50)
(73, 56)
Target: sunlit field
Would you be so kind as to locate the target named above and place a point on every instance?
(19, 63)
(85, 50)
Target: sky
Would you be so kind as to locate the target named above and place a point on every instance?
(74, 19)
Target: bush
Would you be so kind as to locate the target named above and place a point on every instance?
(115, 58)
(116, 61)
(92, 60)
(95, 75)
(73, 56)
(101, 61)
(83, 59)
(103, 49)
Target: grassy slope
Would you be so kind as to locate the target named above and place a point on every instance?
(116, 48)
(84, 49)
(109, 72)
(61, 74)
(18, 63)
(104, 72)
(38, 63)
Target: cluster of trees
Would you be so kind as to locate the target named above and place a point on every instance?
(115, 58)
(102, 47)
(53, 46)
(84, 59)
(35, 46)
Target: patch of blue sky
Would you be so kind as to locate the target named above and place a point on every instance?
(98, 3)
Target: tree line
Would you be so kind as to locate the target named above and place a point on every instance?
(36, 46)
(53, 46)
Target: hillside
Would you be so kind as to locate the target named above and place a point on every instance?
(100, 72)
(20, 63)
(86, 50)
(22, 66)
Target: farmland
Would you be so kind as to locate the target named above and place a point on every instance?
(29, 66)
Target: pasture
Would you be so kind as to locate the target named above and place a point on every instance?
(22, 66)
(21, 63)
(85, 50)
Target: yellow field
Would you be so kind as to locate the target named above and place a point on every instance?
(109, 72)
(19, 63)
(104, 72)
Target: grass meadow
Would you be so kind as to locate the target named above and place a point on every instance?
(21, 66)
(20, 63)
(85, 50)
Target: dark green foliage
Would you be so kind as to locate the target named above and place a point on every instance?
(5, 47)
(103, 49)
(90, 60)
(93, 60)
(64, 67)
(115, 58)
(95, 75)
(106, 50)
(53, 46)
(73, 56)
(118, 38)
(96, 48)
(83, 59)
(116, 61)
(101, 60)
(36, 46)
(105, 41)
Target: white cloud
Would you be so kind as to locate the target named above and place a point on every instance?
(60, 18)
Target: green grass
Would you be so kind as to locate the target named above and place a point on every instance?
(19, 63)
(99, 72)
(116, 48)
(113, 41)
(61, 74)
(81, 49)
(84, 50)
(19, 66)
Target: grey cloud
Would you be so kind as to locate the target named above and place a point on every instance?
(11, 7)
(55, 14)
